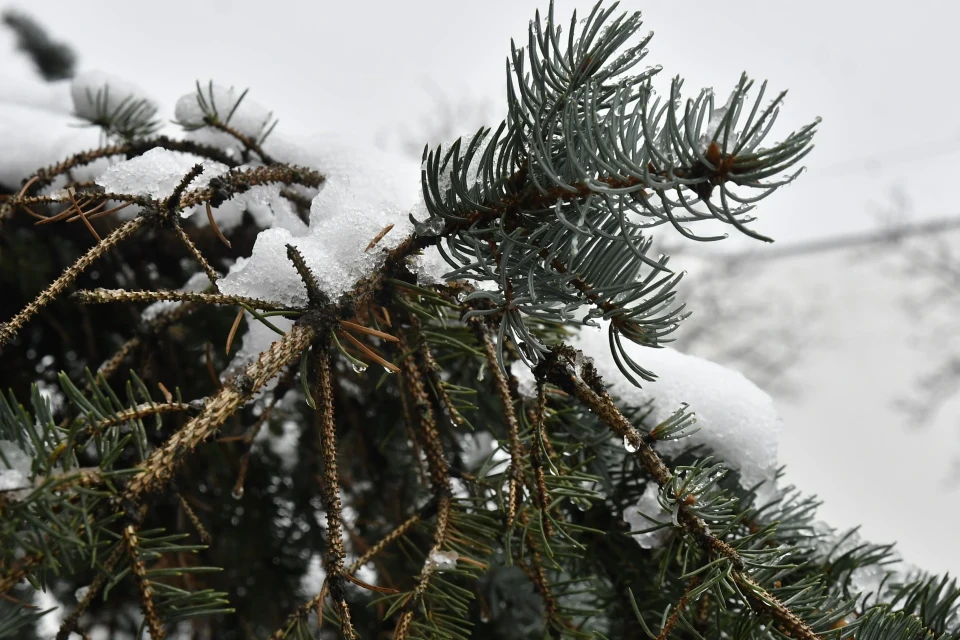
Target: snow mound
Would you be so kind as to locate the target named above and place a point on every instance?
(649, 505)
(157, 173)
(33, 137)
(366, 194)
(737, 421)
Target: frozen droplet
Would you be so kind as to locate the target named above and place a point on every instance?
(430, 226)
(483, 368)
(442, 560)
(81, 593)
(629, 445)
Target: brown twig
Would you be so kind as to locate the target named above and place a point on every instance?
(10, 328)
(513, 428)
(323, 397)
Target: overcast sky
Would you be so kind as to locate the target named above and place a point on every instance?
(878, 73)
(881, 75)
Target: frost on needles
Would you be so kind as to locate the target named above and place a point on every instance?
(406, 398)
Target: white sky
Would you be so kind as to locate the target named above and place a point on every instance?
(878, 74)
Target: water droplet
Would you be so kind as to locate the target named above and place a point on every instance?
(237, 492)
(629, 445)
(359, 367)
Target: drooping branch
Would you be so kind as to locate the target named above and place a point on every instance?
(517, 452)
(330, 491)
(158, 469)
(589, 390)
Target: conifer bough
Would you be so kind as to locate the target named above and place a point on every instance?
(414, 439)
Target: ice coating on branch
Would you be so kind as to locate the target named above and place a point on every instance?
(736, 420)
(717, 114)
(97, 95)
(156, 174)
(649, 504)
(366, 194)
(14, 466)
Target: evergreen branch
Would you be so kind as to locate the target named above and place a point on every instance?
(536, 458)
(237, 181)
(104, 296)
(402, 629)
(160, 467)
(298, 616)
(138, 412)
(185, 240)
(10, 328)
(428, 434)
(12, 576)
(152, 618)
(44, 177)
(250, 144)
(69, 624)
(330, 491)
(678, 609)
(589, 390)
(517, 453)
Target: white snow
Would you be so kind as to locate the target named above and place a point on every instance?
(15, 466)
(32, 138)
(156, 174)
(737, 421)
(649, 505)
(312, 581)
(97, 94)
(365, 192)
(429, 266)
(526, 381)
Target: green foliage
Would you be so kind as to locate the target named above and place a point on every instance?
(440, 497)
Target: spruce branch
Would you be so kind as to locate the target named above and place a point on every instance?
(104, 296)
(10, 328)
(185, 240)
(330, 490)
(588, 389)
(299, 616)
(402, 630)
(159, 468)
(139, 570)
(517, 453)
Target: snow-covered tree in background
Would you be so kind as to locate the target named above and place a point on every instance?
(450, 413)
